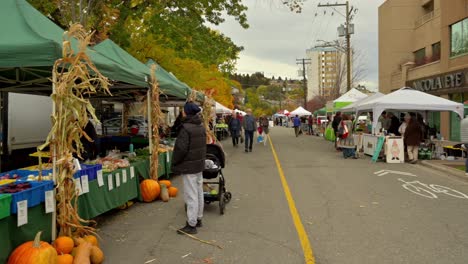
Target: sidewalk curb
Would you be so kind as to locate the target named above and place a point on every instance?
(450, 171)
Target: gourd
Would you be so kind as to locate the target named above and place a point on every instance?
(173, 191)
(92, 239)
(34, 252)
(164, 193)
(65, 259)
(63, 245)
(83, 253)
(97, 256)
(150, 190)
(165, 182)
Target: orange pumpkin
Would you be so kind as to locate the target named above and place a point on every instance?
(173, 191)
(150, 190)
(166, 182)
(34, 252)
(65, 259)
(64, 245)
(92, 239)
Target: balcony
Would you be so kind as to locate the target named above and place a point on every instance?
(426, 18)
(426, 60)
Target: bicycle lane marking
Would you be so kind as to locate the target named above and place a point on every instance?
(304, 239)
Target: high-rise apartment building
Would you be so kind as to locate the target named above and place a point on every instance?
(324, 72)
(424, 44)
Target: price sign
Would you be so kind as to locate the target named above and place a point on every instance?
(110, 182)
(124, 176)
(168, 157)
(78, 188)
(132, 172)
(85, 183)
(49, 201)
(117, 180)
(22, 210)
(100, 179)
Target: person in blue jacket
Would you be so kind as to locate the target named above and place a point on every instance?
(296, 125)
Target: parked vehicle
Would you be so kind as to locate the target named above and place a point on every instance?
(322, 120)
(135, 124)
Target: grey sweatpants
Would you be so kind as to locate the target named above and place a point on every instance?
(193, 197)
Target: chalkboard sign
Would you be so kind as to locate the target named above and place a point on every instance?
(378, 149)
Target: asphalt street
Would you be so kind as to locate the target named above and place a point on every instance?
(352, 211)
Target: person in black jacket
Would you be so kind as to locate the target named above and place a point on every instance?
(336, 122)
(188, 160)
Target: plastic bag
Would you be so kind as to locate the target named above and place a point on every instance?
(260, 139)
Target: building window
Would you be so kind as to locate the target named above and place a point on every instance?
(436, 51)
(459, 38)
(420, 57)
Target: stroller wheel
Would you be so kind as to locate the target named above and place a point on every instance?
(222, 203)
(227, 197)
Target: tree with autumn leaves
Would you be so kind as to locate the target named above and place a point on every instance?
(172, 32)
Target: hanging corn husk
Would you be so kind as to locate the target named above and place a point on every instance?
(73, 83)
(208, 116)
(156, 115)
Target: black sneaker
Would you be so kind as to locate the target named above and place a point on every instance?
(187, 229)
(199, 223)
(246, 150)
(250, 150)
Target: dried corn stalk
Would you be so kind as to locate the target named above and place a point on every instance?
(156, 115)
(73, 83)
(208, 115)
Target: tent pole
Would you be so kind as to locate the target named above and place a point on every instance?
(150, 124)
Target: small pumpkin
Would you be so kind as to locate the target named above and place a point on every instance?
(65, 259)
(173, 191)
(150, 190)
(92, 239)
(164, 193)
(34, 252)
(97, 256)
(64, 245)
(165, 182)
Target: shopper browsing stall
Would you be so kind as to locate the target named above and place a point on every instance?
(413, 138)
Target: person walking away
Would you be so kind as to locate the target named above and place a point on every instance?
(346, 139)
(265, 124)
(336, 122)
(234, 128)
(412, 139)
(188, 160)
(296, 125)
(310, 122)
(249, 125)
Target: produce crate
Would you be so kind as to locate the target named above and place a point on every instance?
(5, 201)
(90, 170)
(6, 181)
(35, 195)
(162, 165)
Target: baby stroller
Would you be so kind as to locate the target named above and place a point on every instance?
(214, 164)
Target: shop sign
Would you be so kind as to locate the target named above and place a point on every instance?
(443, 81)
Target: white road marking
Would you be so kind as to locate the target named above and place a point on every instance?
(381, 173)
(430, 190)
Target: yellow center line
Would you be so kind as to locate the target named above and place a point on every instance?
(306, 248)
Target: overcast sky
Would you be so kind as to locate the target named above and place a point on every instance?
(277, 37)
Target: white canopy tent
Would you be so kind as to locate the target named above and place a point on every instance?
(300, 111)
(221, 109)
(408, 99)
(353, 95)
(353, 107)
(240, 112)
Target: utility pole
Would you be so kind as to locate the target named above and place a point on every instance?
(304, 62)
(348, 33)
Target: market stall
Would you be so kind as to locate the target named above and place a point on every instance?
(221, 109)
(300, 111)
(348, 98)
(403, 100)
(30, 47)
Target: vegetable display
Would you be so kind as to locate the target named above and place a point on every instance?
(15, 187)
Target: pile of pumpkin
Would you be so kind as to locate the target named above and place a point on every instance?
(152, 189)
(64, 250)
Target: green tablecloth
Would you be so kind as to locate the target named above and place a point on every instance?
(12, 236)
(100, 200)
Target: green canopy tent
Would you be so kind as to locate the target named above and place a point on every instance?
(30, 45)
(169, 85)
